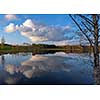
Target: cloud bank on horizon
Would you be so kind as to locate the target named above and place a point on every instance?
(40, 32)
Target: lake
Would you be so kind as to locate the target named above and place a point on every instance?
(57, 68)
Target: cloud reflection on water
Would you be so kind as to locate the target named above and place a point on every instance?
(36, 65)
(43, 63)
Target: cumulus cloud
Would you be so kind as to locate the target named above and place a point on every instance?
(29, 23)
(10, 28)
(10, 17)
(37, 32)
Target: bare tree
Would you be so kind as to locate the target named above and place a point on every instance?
(89, 27)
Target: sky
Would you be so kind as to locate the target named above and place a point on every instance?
(38, 28)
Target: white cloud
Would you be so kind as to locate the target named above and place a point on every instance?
(66, 27)
(10, 17)
(29, 23)
(10, 28)
(37, 39)
(37, 32)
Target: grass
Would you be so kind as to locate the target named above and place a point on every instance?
(42, 49)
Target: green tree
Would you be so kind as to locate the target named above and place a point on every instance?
(2, 42)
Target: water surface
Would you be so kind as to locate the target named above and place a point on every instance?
(56, 68)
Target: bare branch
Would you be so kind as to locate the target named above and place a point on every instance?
(92, 32)
(86, 19)
(97, 17)
(90, 41)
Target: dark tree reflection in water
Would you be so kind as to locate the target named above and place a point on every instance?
(3, 60)
(97, 75)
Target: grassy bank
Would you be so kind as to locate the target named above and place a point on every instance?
(42, 48)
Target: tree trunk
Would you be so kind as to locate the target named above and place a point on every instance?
(96, 49)
(96, 44)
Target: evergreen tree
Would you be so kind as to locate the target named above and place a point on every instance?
(2, 42)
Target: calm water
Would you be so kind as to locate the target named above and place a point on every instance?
(57, 68)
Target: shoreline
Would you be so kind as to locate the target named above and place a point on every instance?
(41, 51)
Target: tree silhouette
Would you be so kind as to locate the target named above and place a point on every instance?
(89, 26)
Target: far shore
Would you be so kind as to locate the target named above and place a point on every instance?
(44, 48)
(41, 51)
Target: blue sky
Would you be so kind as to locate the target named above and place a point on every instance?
(37, 28)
